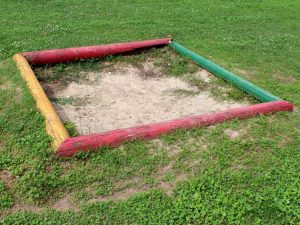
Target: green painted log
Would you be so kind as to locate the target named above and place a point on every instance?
(224, 74)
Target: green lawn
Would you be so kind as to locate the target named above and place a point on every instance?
(253, 179)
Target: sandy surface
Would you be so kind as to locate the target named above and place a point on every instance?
(124, 97)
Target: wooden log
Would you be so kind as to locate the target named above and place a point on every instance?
(97, 51)
(116, 137)
(54, 126)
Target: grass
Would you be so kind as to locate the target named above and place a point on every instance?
(252, 179)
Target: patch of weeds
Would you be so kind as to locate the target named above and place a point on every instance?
(183, 161)
(48, 73)
(133, 59)
(6, 200)
(150, 180)
(184, 92)
(200, 84)
(67, 72)
(104, 189)
(168, 177)
(37, 184)
(71, 128)
(81, 196)
(175, 64)
(63, 100)
(225, 91)
(173, 137)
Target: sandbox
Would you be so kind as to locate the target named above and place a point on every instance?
(125, 102)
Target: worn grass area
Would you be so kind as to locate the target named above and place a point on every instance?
(250, 177)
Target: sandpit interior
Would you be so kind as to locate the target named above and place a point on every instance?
(123, 95)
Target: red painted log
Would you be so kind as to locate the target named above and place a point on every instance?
(116, 137)
(71, 54)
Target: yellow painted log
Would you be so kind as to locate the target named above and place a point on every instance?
(54, 126)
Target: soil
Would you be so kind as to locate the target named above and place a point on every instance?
(64, 204)
(232, 134)
(6, 177)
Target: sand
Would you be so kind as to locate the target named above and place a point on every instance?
(128, 96)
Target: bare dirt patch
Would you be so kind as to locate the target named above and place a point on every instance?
(233, 134)
(167, 187)
(9, 87)
(243, 71)
(6, 177)
(286, 79)
(126, 95)
(121, 195)
(6, 86)
(65, 204)
(26, 208)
